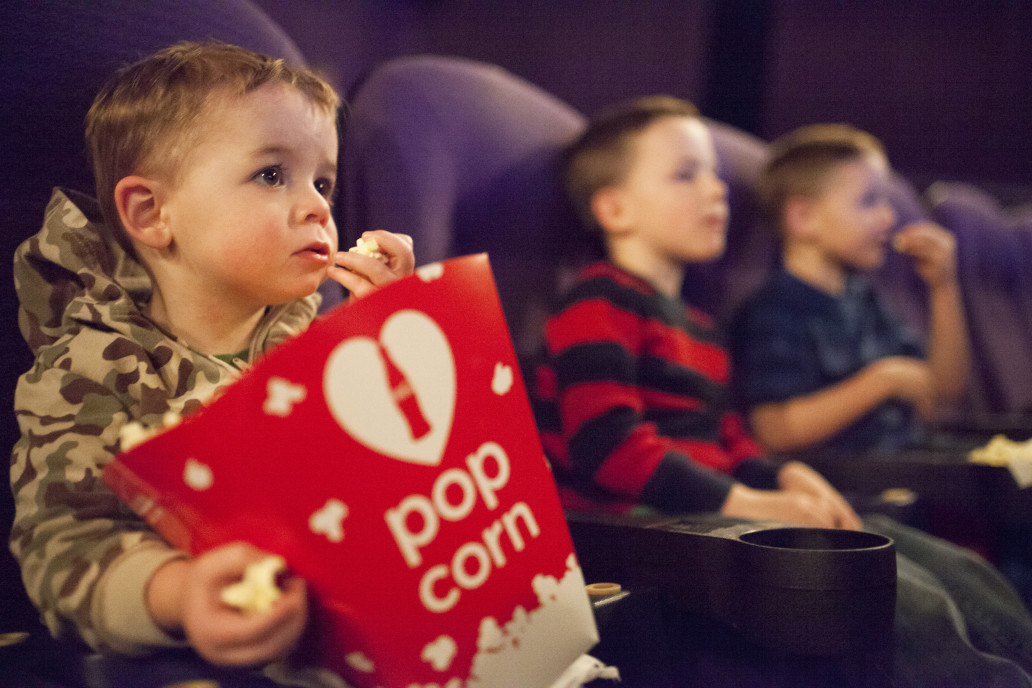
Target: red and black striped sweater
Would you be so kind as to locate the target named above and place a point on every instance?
(632, 401)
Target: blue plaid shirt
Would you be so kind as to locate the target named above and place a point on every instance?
(791, 339)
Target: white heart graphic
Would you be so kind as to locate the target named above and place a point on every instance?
(396, 395)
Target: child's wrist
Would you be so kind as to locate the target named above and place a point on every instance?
(164, 595)
(946, 283)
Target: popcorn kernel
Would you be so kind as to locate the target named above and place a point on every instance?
(257, 590)
(368, 247)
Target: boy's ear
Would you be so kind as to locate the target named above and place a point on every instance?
(610, 210)
(797, 216)
(138, 200)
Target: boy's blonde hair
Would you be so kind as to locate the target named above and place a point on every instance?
(145, 120)
(601, 155)
(799, 162)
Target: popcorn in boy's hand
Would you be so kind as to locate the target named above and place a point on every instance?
(257, 591)
(368, 247)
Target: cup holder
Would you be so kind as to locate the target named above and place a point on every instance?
(816, 539)
(817, 558)
(805, 591)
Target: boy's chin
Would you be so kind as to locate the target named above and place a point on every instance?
(287, 295)
(868, 265)
(708, 254)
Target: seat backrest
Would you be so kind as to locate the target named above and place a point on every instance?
(461, 155)
(994, 252)
(57, 56)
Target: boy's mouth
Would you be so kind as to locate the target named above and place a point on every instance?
(317, 248)
(717, 219)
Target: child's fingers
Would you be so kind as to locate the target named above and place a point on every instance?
(921, 238)
(361, 274)
(845, 516)
(352, 281)
(228, 636)
(391, 239)
(266, 636)
(397, 248)
(932, 248)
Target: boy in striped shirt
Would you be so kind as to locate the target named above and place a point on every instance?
(633, 397)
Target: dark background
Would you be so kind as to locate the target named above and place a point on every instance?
(944, 83)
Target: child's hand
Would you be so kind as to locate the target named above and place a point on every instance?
(909, 380)
(185, 596)
(799, 478)
(794, 507)
(361, 274)
(933, 249)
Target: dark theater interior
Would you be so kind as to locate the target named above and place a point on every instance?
(455, 115)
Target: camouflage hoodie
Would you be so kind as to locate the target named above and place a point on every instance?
(99, 363)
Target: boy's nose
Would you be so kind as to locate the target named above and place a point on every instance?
(313, 207)
(889, 214)
(719, 186)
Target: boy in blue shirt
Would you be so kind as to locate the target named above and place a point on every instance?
(819, 361)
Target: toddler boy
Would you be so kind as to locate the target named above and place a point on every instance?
(633, 399)
(215, 171)
(819, 361)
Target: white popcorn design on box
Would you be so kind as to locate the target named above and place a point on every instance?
(431, 272)
(282, 396)
(197, 475)
(329, 520)
(503, 379)
(439, 653)
(527, 634)
(531, 634)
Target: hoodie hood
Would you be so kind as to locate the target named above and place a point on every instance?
(74, 272)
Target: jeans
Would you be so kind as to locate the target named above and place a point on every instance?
(958, 621)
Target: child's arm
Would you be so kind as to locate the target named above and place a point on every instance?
(362, 274)
(934, 252)
(83, 554)
(184, 598)
(808, 419)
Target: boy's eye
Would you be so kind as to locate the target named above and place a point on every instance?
(324, 187)
(687, 173)
(873, 198)
(269, 176)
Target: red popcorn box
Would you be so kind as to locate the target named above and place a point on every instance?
(389, 454)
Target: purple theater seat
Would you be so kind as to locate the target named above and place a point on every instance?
(462, 156)
(994, 249)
